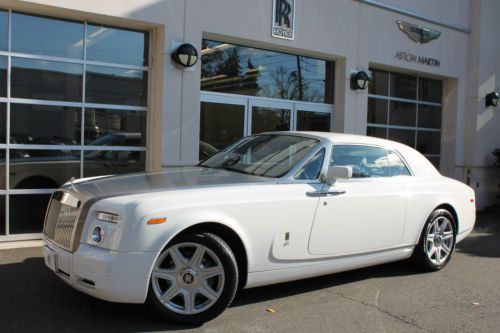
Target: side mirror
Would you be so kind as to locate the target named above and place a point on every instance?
(339, 172)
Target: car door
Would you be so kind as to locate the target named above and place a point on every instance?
(363, 213)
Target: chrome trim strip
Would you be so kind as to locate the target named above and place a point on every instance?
(416, 15)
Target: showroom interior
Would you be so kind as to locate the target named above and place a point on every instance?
(88, 89)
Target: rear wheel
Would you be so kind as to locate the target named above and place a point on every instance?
(194, 279)
(437, 241)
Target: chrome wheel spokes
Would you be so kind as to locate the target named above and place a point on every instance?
(188, 278)
(439, 240)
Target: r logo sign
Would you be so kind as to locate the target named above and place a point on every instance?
(283, 19)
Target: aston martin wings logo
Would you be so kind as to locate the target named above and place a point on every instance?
(418, 34)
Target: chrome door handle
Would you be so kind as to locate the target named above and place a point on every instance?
(325, 193)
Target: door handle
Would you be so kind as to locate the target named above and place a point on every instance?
(325, 193)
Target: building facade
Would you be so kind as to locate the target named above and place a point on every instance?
(89, 88)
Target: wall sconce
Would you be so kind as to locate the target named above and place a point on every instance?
(359, 80)
(492, 99)
(185, 55)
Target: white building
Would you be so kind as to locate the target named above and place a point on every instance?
(89, 87)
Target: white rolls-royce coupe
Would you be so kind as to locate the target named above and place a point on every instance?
(270, 208)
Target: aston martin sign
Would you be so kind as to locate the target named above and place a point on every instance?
(418, 34)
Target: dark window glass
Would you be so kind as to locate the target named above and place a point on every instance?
(3, 121)
(47, 36)
(46, 125)
(403, 86)
(313, 121)
(220, 125)
(434, 160)
(270, 119)
(119, 46)
(2, 170)
(378, 132)
(105, 127)
(312, 169)
(397, 166)
(430, 90)
(27, 212)
(42, 168)
(379, 83)
(3, 76)
(429, 142)
(365, 161)
(403, 114)
(4, 32)
(49, 80)
(110, 85)
(377, 111)
(249, 71)
(429, 116)
(2, 215)
(110, 162)
(406, 137)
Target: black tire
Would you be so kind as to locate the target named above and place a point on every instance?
(421, 256)
(227, 289)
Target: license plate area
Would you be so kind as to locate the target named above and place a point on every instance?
(51, 259)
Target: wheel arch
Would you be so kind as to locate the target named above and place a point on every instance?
(452, 211)
(232, 239)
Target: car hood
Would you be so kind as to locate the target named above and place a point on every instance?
(179, 178)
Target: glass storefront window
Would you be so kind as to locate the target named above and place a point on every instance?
(313, 121)
(47, 80)
(33, 169)
(109, 85)
(51, 110)
(4, 31)
(120, 46)
(45, 125)
(220, 125)
(3, 76)
(413, 119)
(36, 35)
(267, 119)
(110, 162)
(242, 70)
(24, 220)
(106, 127)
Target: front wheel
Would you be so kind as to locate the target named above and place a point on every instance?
(437, 241)
(194, 279)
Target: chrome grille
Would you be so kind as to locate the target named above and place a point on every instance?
(61, 219)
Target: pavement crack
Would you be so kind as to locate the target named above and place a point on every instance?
(377, 307)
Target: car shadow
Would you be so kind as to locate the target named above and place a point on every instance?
(33, 299)
(484, 241)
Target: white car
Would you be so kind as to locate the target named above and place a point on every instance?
(270, 208)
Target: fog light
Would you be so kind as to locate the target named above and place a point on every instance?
(97, 234)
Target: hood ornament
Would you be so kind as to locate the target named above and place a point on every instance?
(418, 34)
(71, 183)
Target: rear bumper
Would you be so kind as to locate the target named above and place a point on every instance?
(109, 275)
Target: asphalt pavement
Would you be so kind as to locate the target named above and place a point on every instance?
(464, 297)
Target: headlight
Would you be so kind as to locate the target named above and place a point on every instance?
(97, 234)
(108, 217)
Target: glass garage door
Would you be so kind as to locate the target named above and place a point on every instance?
(73, 103)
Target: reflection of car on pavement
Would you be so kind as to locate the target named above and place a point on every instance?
(51, 168)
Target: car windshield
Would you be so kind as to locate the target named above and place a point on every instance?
(263, 155)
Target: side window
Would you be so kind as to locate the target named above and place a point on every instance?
(365, 161)
(396, 165)
(312, 168)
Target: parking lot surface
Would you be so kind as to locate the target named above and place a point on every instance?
(464, 297)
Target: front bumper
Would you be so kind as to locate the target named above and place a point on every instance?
(109, 275)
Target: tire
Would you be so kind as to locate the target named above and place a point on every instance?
(194, 279)
(437, 241)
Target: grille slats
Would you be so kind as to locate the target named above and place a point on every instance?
(60, 221)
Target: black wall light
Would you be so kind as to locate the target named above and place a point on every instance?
(492, 99)
(185, 55)
(359, 80)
